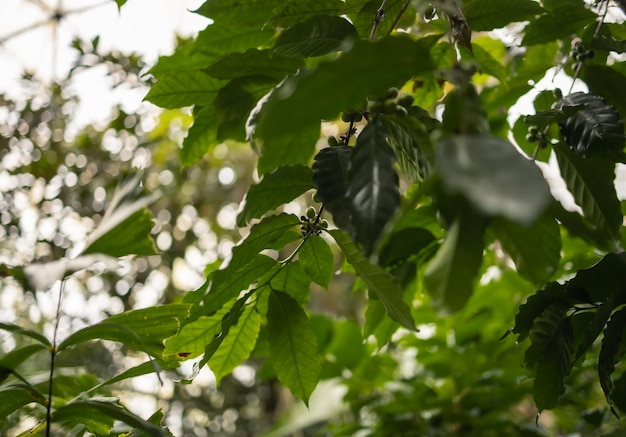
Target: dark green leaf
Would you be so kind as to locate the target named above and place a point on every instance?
(590, 180)
(237, 345)
(553, 368)
(220, 39)
(315, 37)
(380, 284)
(293, 345)
(254, 62)
(16, 396)
(609, 83)
(493, 175)
(535, 305)
(276, 188)
(544, 332)
(549, 116)
(489, 14)
(295, 12)
(242, 12)
(463, 113)
(535, 249)
(330, 176)
(604, 280)
(366, 60)
(201, 137)
(612, 351)
(289, 149)
(365, 16)
(450, 276)
(292, 280)
(373, 186)
(10, 361)
(184, 88)
(317, 260)
(15, 329)
(561, 22)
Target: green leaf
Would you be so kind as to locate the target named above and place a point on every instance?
(366, 60)
(226, 284)
(296, 11)
(276, 188)
(120, 3)
(201, 137)
(288, 149)
(16, 329)
(293, 345)
(10, 361)
(190, 342)
(373, 186)
(16, 396)
(488, 14)
(98, 417)
(254, 62)
(493, 175)
(549, 116)
(561, 22)
(292, 280)
(365, 16)
(535, 249)
(612, 351)
(245, 13)
(607, 82)
(237, 345)
(488, 64)
(142, 369)
(184, 88)
(380, 284)
(604, 280)
(552, 369)
(317, 260)
(463, 113)
(545, 328)
(449, 277)
(590, 180)
(315, 37)
(330, 176)
(143, 329)
(220, 39)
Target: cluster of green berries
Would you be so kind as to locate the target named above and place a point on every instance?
(391, 103)
(534, 135)
(579, 53)
(311, 223)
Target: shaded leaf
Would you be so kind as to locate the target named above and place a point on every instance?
(450, 276)
(184, 88)
(463, 113)
(609, 83)
(373, 186)
(315, 37)
(254, 62)
(292, 280)
(489, 14)
(544, 332)
(295, 12)
(276, 188)
(222, 38)
(493, 175)
(561, 22)
(549, 116)
(10, 361)
(288, 149)
(237, 345)
(537, 304)
(330, 176)
(201, 137)
(612, 351)
(317, 260)
(293, 345)
(380, 284)
(16, 396)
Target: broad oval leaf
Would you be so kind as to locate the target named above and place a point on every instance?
(380, 284)
(292, 280)
(373, 187)
(184, 88)
(190, 342)
(296, 11)
(493, 175)
(293, 345)
(276, 188)
(315, 37)
(330, 176)
(489, 14)
(316, 259)
(450, 276)
(254, 62)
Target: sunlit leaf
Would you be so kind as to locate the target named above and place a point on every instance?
(221, 38)
(293, 345)
(243, 12)
(16, 329)
(190, 342)
(276, 188)
(184, 88)
(254, 62)
(380, 284)
(201, 137)
(315, 37)
(316, 259)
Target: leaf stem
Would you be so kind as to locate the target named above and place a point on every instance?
(53, 354)
(378, 18)
(397, 20)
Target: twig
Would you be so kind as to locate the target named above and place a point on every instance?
(53, 354)
(378, 18)
(402, 11)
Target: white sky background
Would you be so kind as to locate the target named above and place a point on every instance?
(145, 26)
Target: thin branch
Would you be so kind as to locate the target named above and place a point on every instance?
(53, 354)
(378, 18)
(397, 20)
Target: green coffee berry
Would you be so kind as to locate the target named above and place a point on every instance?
(310, 212)
(406, 100)
(332, 141)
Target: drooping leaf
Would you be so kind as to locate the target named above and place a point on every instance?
(191, 340)
(488, 14)
(595, 130)
(373, 186)
(98, 416)
(612, 351)
(493, 175)
(552, 369)
(450, 276)
(15, 396)
(16, 329)
(535, 305)
(366, 60)
(590, 180)
(315, 37)
(330, 176)
(294, 12)
(535, 249)
(274, 189)
(201, 137)
(237, 345)
(293, 345)
(380, 284)
(254, 62)
(184, 88)
(316, 259)
(292, 280)
(15, 357)
(544, 332)
(143, 329)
